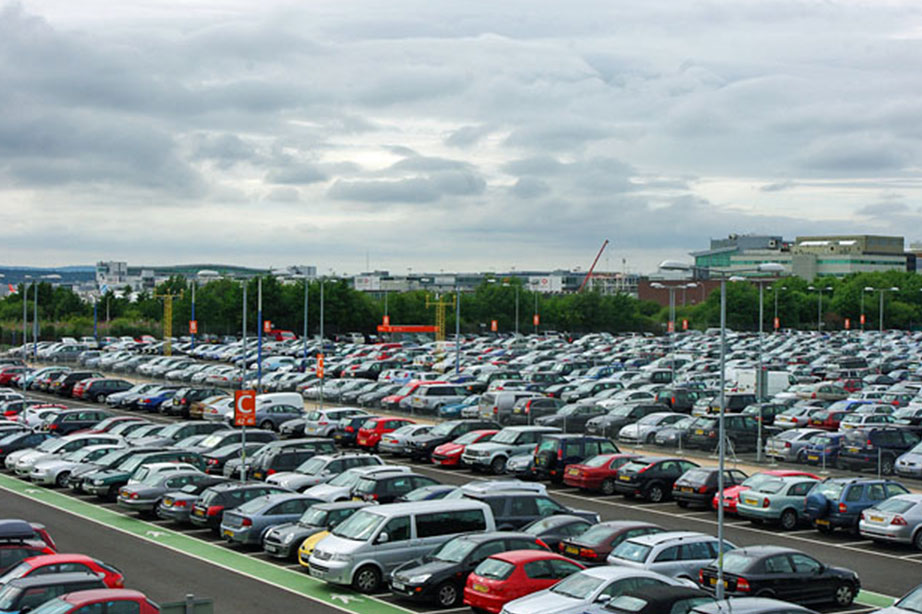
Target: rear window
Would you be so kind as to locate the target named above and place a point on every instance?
(631, 551)
(597, 461)
(736, 563)
(696, 476)
(895, 506)
(365, 486)
(494, 569)
(830, 490)
(548, 445)
(770, 487)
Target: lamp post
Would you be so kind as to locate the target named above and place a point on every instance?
(767, 267)
(243, 374)
(880, 332)
(457, 329)
(322, 345)
(192, 333)
(304, 335)
(259, 334)
(35, 324)
(670, 328)
(819, 304)
(516, 310)
(535, 317)
(759, 377)
(25, 316)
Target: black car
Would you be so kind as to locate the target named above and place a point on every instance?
(651, 478)
(552, 530)
(348, 429)
(526, 411)
(282, 541)
(71, 420)
(768, 411)
(594, 546)
(658, 598)
(64, 385)
(783, 573)
(699, 485)
(742, 433)
(386, 487)
(422, 445)
(610, 423)
(11, 442)
(514, 509)
(272, 456)
(557, 450)
(215, 459)
(208, 511)
(678, 399)
(444, 571)
(184, 398)
(110, 460)
(225, 437)
(572, 418)
(865, 448)
(99, 390)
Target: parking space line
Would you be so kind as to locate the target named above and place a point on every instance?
(912, 556)
(857, 543)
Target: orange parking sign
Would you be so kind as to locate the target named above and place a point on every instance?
(245, 407)
(320, 366)
(267, 326)
(193, 327)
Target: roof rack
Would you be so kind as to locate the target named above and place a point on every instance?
(16, 530)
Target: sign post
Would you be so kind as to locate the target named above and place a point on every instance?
(320, 375)
(193, 327)
(244, 416)
(684, 324)
(494, 325)
(777, 323)
(848, 323)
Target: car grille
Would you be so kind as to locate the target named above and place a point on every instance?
(320, 568)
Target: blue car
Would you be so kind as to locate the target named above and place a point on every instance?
(838, 502)
(248, 523)
(452, 411)
(824, 449)
(152, 401)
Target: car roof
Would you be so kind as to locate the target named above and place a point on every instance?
(524, 556)
(53, 579)
(109, 594)
(740, 605)
(49, 559)
(610, 572)
(15, 529)
(654, 539)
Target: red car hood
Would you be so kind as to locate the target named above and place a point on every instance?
(449, 449)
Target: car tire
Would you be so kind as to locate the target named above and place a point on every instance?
(844, 594)
(886, 464)
(61, 480)
(100, 398)
(789, 520)
(608, 486)
(824, 529)
(367, 579)
(656, 493)
(498, 465)
(650, 439)
(802, 457)
(917, 540)
(266, 425)
(447, 594)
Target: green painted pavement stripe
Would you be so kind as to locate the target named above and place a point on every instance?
(291, 580)
(875, 599)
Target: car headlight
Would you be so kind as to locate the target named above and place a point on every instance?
(98, 482)
(342, 558)
(420, 578)
(288, 538)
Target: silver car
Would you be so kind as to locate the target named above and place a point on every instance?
(395, 442)
(909, 464)
(791, 445)
(910, 603)
(644, 430)
(340, 487)
(56, 471)
(677, 554)
(896, 520)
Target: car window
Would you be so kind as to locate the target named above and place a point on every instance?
(854, 493)
(548, 507)
(123, 607)
(93, 608)
(876, 492)
(539, 570)
(571, 448)
(398, 529)
(562, 569)
(668, 554)
(524, 506)
(482, 551)
(694, 551)
(574, 529)
(779, 564)
(523, 544)
(801, 489)
(895, 489)
(805, 564)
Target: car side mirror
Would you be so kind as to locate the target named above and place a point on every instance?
(383, 538)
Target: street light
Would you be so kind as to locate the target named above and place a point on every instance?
(766, 267)
(819, 304)
(880, 335)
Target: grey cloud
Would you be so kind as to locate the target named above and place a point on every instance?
(284, 195)
(224, 149)
(777, 186)
(530, 187)
(467, 136)
(298, 173)
(416, 190)
(538, 165)
(883, 209)
(558, 135)
(856, 153)
(427, 164)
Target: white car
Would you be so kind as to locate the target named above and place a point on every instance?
(338, 488)
(645, 429)
(148, 471)
(55, 471)
(53, 448)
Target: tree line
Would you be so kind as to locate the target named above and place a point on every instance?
(219, 308)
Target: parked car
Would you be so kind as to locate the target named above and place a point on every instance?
(347, 429)
(572, 418)
(513, 509)
(876, 448)
(791, 445)
(781, 500)
(249, 522)
(594, 545)
(27, 594)
(508, 575)
(895, 520)
(283, 540)
(644, 430)
(19, 541)
(208, 510)
(556, 450)
(742, 432)
(374, 429)
(340, 487)
(422, 445)
(145, 497)
(397, 442)
(699, 485)
(526, 410)
(386, 487)
(552, 530)
(597, 474)
(320, 468)
(610, 423)
(783, 573)
(72, 420)
(838, 502)
(116, 600)
(449, 454)
(509, 442)
(651, 478)
(58, 563)
(732, 494)
(676, 554)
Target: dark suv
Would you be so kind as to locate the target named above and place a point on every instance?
(71, 420)
(526, 410)
(742, 432)
(866, 448)
(65, 384)
(652, 478)
(421, 446)
(100, 389)
(557, 450)
(838, 502)
(274, 455)
(678, 399)
(386, 487)
(208, 510)
(514, 509)
(184, 398)
(572, 418)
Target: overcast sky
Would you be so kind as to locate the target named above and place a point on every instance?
(455, 135)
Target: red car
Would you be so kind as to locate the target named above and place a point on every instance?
(510, 575)
(827, 419)
(79, 387)
(48, 563)
(20, 540)
(85, 601)
(449, 454)
(597, 473)
(7, 374)
(732, 494)
(369, 435)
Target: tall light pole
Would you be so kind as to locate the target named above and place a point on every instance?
(759, 374)
(259, 334)
(304, 335)
(767, 267)
(516, 310)
(670, 327)
(861, 315)
(25, 316)
(322, 345)
(536, 318)
(243, 373)
(457, 329)
(819, 304)
(192, 333)
(35, 324)
(880, 332)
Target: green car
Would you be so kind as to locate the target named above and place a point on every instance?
(779, 500)
(105, 483)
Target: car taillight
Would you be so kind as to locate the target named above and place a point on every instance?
(247, 522)
(703, 489)
(787, 444)
(560, 547)
(323, 423)
(214, 510)
(52, 427)
(899, 521)
(700, 576)
(133, 495)
(349, 429)
(644, 469)
(559, 453)
(869, 443)
(588, 553)
(742, 585)
(179, 503)
(495, 409)
(120, 583)
(212, 461)
(843, 508)
(543, 545)
(766, 502)
(270, 471)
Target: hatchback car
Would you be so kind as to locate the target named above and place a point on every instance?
(838, 502)
(208, 509)
(374, 429)
(65, 563)
(387, 487)
(699, 485)
(449, 454)
(116, 600)
(677, 554)
(32, 591)
(555, 451)
(876, 448)
(732, 494)
(597, 474)
(781, 500)
(553, 530)
(593, 546)
(397, 442)
(651, 478)
(282, 541)
(247, 524)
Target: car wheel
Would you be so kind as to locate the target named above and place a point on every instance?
(656, 494)
(767, 594)
(788, 520)
(802, 457)
(100, 398)
(650, 438)
(886, 465)
(917, 540)
(266, 425)
(366, 580)
(61, 480)
(608, 486)
(845, 594)
(498, 465)
(447, 595)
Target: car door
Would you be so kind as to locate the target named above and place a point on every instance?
(399, 545)
(778, 575)
(815, 585)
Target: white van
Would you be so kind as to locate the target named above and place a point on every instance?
(375, 540)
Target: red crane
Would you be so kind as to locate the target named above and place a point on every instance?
(592, 268)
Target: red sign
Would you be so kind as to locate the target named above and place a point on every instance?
(320, 366)
(494, 325)
(267, 326)
(777, 323)
(684, 324)
(536, 319)
(848, 323)
(245, 408)
(670, 327)
(407, 328)
(193, 327)
(862, 319)
(386, 320)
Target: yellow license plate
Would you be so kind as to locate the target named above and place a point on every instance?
(699, 431)
(687, 489)
(624, 478)
(714, 582)
(822, 522)
(854, 450)
(357, 499)
(227, 533)
(813, 457)
(480, 588)
(361, 442)
(572, 471)
(198, 512)
(877, 518)
(168, 502)
(572, 550)
(124, 493)
(751, 501)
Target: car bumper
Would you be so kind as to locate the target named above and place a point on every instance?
(178, 515)
(887, 533)
(582, 482)
(100, 490)
(136, 505)
(45, 479)
(239, 535)
(412, 592)
(477, 462)
(757, 513)
(277, 550)
(696, 498)
(912, 471)
(490, 603)
(334, 572)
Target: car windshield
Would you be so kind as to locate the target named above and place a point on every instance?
(912, 601)
(253, 506)
(15, 572)
(49, 445)
(631, 551)
(365, 486)
(346, 478)
(735, 562)
(755, 481)
(370, 424)
(895, 506)
(823, 440)
(494, 569)
(620, 411)
(442, 429)
(696, 476)
(404, 430)
(211, 441)
(577, 586)
(311, 466)
(770, 487)
(470, 437)
(454, 551)
(597, 534)
(505, 437)
(130, 464)
(8, 597)
(314, 517)
(684, 423)
(360, 526)
(548, 445)
(171, 430)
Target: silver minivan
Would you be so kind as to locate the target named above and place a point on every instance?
(374, 541)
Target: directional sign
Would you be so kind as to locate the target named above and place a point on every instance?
(494, 325)
(320, 366)
(777, 323)
(862, 319)
(386, 320)
(193, 327)
(684, 324)
(670, 327)
(344, 598)
(154, 534)
(245, 408)
(848, 323)
(267, 326)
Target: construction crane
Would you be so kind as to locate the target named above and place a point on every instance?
(592, 268)
(167, 321)
(440, 306)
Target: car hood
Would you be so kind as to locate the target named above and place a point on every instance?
(428, 439)
(146, 442)
(489, 446)
(34, 456)
(292, 480)
(106, 473)
(420, 567)
(53, 463)
(543, 602)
